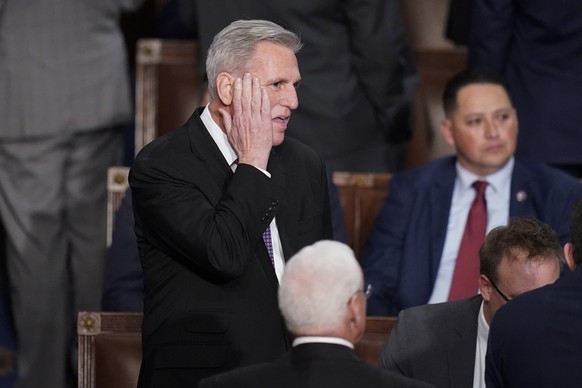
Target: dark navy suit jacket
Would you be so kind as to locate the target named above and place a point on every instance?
(536, 340)
(537, 46)
(403, 252)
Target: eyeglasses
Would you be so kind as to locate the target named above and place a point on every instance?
(505, 297)
(367, 292)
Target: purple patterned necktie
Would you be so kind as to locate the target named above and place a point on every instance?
(269, 243)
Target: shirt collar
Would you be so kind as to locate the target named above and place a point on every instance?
(328, 340)
(218, 136)
(498, 179)
(482, 326)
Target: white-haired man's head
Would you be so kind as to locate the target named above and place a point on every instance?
(321, 292)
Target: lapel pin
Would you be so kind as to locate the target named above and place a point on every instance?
(521, 196)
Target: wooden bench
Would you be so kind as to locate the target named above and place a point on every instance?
(110, 347)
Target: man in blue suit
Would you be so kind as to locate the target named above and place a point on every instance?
(412, 250)
(536, 340)
(536, 45)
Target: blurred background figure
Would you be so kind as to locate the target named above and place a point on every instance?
(65, 94)
(458, 24)
(536, 45)
(358, 75)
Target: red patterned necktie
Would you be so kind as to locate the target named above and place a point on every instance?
(269, 243)
(466, 276)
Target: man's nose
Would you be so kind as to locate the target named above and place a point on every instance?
(491, 129)
(290, 99)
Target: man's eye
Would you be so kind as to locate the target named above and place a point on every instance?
(503, 117)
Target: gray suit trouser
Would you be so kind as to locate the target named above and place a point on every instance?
(53, 205)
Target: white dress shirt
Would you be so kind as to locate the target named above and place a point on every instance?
(480, 350)
(497, 196)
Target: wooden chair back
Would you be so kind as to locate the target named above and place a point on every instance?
(372, 343)
(117, 185)
(168, 87)
(109, 349)
(362, 196)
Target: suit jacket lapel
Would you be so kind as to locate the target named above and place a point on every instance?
(218, 172)
(277, 170)
(521, 195)
(440, 195)
(284, 217)
(461, 353)
(218, 176)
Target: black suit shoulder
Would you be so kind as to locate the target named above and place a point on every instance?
(313, 372)
(439, 318)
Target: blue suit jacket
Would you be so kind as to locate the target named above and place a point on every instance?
(403, 252)
(536, 340)
(536, 45)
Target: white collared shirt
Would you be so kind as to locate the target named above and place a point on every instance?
(480, 350)
(328, 340)
(497, 196)
(230, 156)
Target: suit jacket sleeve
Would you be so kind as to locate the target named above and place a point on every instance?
(384, 250)
(191, 206)
(196, 220)
(394, 355)
(379, 44)
(491, 33)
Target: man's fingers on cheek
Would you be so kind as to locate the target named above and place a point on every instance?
(257, 99)
(247, 91)
(265, 102)
(236, 101)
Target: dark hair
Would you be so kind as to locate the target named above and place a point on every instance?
(522, 235)
(576, 232)
(466, 78)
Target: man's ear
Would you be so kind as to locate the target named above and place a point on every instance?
(357, 317)
(485, 288)
(225, 88)
(447, 132)
(568, 248)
